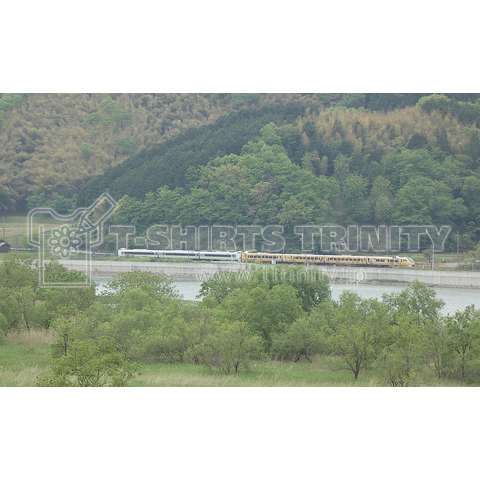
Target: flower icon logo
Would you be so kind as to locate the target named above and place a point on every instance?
(64, 241)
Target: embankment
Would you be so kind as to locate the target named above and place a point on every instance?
(348, 275)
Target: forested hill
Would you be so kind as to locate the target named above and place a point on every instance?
(413, 165)
(51, 144)
(308, 158)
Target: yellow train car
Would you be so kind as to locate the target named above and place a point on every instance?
(340, 260)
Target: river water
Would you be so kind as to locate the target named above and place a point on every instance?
(454, 298)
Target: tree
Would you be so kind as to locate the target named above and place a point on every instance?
(473, 149)
(87, 150)
(417, 141)
(299, 340)
(352, 100)
(400, 360)
(463, 333)
(293, 212)
(264, 309)
(125, 146)
(229, 348)
(424, 202)
(130, 280)
(356, 330)
(434, 102)
(416, 300)
(311, 286)
(121, 117)
(88, 363)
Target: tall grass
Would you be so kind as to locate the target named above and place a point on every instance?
(32, 337)
(26, 355)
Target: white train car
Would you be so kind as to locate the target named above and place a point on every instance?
(186, 254)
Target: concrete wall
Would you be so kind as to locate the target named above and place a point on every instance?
(345, 275)
(391, 275)
(192, 271)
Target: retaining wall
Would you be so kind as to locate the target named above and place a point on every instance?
(346, 275)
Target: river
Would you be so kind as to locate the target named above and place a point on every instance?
(454, 298)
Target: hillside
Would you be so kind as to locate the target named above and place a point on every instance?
(53, 143)
(248, 158)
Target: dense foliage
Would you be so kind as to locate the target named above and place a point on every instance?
(104, 341)
(262, 185)
(297, 158)
(53, 143)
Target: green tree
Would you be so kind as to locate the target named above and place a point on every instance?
(109, 105)
(311, 286)
(131, 280)
(126, 146)
(424, 202)
(463, 334)
(293, 212)
(264, 309)
(86, 150)
(358, 206)
(356, 331)
(240, 98)
(229, 348)
(352, 100)
(434, 102)
(416, 300)
(400, 361)
(121, 117)
(89, 363)
(299, 340)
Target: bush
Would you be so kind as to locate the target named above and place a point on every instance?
(229, 349)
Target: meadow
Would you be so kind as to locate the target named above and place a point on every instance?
(26, 355)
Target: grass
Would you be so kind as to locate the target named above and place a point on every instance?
(26, 355)
(267, 373)
(23, 357)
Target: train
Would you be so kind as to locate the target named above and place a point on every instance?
(275, 258)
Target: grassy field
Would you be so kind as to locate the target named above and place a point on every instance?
(16, 228)
(24, 356)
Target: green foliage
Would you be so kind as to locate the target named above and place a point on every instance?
(93, 118)
(109, 105)
(123, 282)
(57, 202)
(299, 340)
(121, 117)
(434, 102)
(25, 305)
(352, 100)
(355, 330)
(310, 286)
(400, 361)
(90, 363)
(126, 146)
(10, 100)
(416, 300)
(463, 335)
(240, 98)
(87, 150)
(264, 309)
(228, 349)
